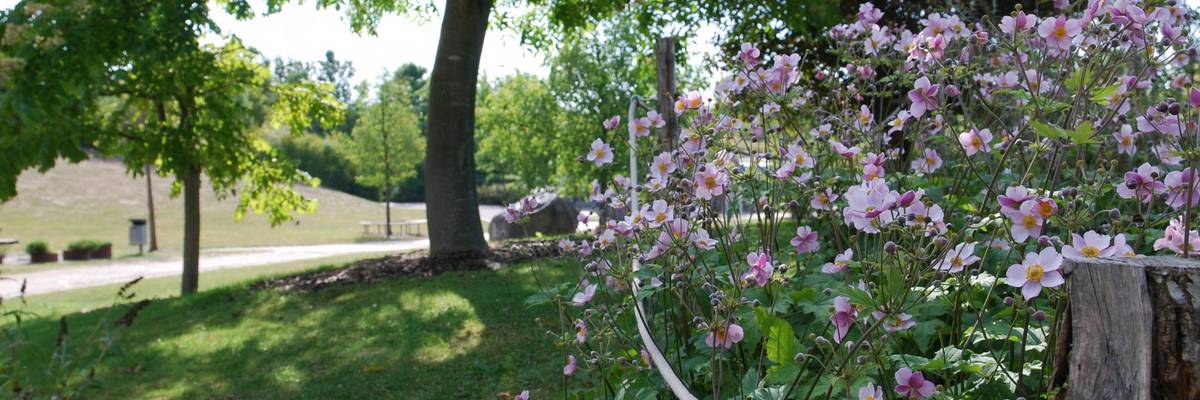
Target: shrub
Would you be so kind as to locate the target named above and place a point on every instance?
(37, 247)
(910, 209)
(83, 245)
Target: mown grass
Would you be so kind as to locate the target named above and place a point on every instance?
(95, 200)
(458, 335)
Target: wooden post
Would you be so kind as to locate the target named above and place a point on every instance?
(664, 65)
(1135, 328)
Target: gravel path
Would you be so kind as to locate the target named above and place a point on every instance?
(60, 279)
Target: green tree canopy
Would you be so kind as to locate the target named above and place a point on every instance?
(386, 143)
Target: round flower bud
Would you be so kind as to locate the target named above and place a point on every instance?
(941, 241)
(800, 357)
(821, 341)
(1039, 316)
(827, 291)
(1114, 214)
(861, 360)
(889, 247)
(1174, 108)
(1008, 300)
(1044, 241)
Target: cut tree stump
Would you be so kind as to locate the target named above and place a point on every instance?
(1135, 326)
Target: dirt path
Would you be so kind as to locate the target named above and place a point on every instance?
(59, 279)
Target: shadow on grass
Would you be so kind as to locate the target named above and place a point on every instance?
(457, 335)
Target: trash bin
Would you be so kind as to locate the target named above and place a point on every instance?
(137, 232)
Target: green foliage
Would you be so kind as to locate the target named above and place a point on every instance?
(37, 247)
(320, 157)
(386, 142)
(85, 245)
(520, 130)
(173, 102)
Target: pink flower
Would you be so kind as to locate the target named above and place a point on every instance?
(840, 263)
(656, 120)
(1021, 22)
(660, 213)
(724, 337)
(1182, 186)
(1141, 183)
(975, 141)
(958, 258)
(524, 395)
(600, 154)
(582, 298)
(1173, 239)
(1059, 32)
(760, 269)
(842, 150)
(842, 318)
(870, 392)
(749, 55)
(805, 240)
(868, 14)
(896, 322)
(1194, 97)
(913, 384)
(710, 182)
(1026, 222)
(693, 100)
(662, 165)
(929, 163)
(1126, 140)
(612, 123)
(581, 331)
(1037, 271)
(1158, 122)
(702, 241)
(869, 206)
(1090, 245)
(923, 97)
(569, 369)
(640, 127)
(823, 200)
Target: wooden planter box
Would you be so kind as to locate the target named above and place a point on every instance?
(43, 258)
(102, 253)
(75, 255)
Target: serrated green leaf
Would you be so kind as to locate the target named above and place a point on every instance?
(1082, 133)
(1102, 95)
(1047, 131)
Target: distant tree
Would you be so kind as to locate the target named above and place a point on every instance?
(291, 71)
(386, 144)
(132, 78)
(337, 73)
(521, 132)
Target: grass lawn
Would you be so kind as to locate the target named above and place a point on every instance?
(458, 335)
(95, 200)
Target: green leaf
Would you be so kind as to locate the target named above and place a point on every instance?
(1082, 133)
(1102, 95)
(1047, 131)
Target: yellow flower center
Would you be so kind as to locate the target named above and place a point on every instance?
(710, 182)
(799, 158)
(663, 167)
(956, 262)
(976, 141)
(1060, 32)
(1029, 221)
(931, 161)
(1090, 251)
(660, 217)
(600, 153)
(1034, 273)
(720, 335)
(1046, 208)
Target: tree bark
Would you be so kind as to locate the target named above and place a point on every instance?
(451, 204)
(1135, 328)
(150, 203)
(191, 230)
(664, 65)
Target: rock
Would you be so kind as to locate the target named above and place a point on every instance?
(554, 217)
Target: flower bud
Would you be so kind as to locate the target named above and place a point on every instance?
(1044, 241)
(827, 292)
(800, 357)
(861, 360)
(1114, 214)
(1174, 109)
(889, 247)
(821, 341)
(1008, 300)
(1039, 316)
(940, 241)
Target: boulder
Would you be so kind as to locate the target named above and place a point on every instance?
(556, 216)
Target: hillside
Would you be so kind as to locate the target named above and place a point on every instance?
(95, 200)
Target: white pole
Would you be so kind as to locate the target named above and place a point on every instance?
(656, 355)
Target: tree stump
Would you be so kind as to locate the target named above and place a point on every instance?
(1135, 325)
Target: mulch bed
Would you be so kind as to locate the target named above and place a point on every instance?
(413, 264)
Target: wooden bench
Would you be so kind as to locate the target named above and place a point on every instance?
(406, 228)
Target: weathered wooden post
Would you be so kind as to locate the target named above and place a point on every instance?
(1135, 328)
(664, 66)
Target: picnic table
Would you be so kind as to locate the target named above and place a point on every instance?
(406, 228)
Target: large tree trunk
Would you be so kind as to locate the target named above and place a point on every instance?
(191, 230)
(451, 204)
(1135, 328)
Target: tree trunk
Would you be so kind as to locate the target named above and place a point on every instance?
(191, 230)
(150, 203)
(664, 65)
(451, 204)
(1135, 328)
